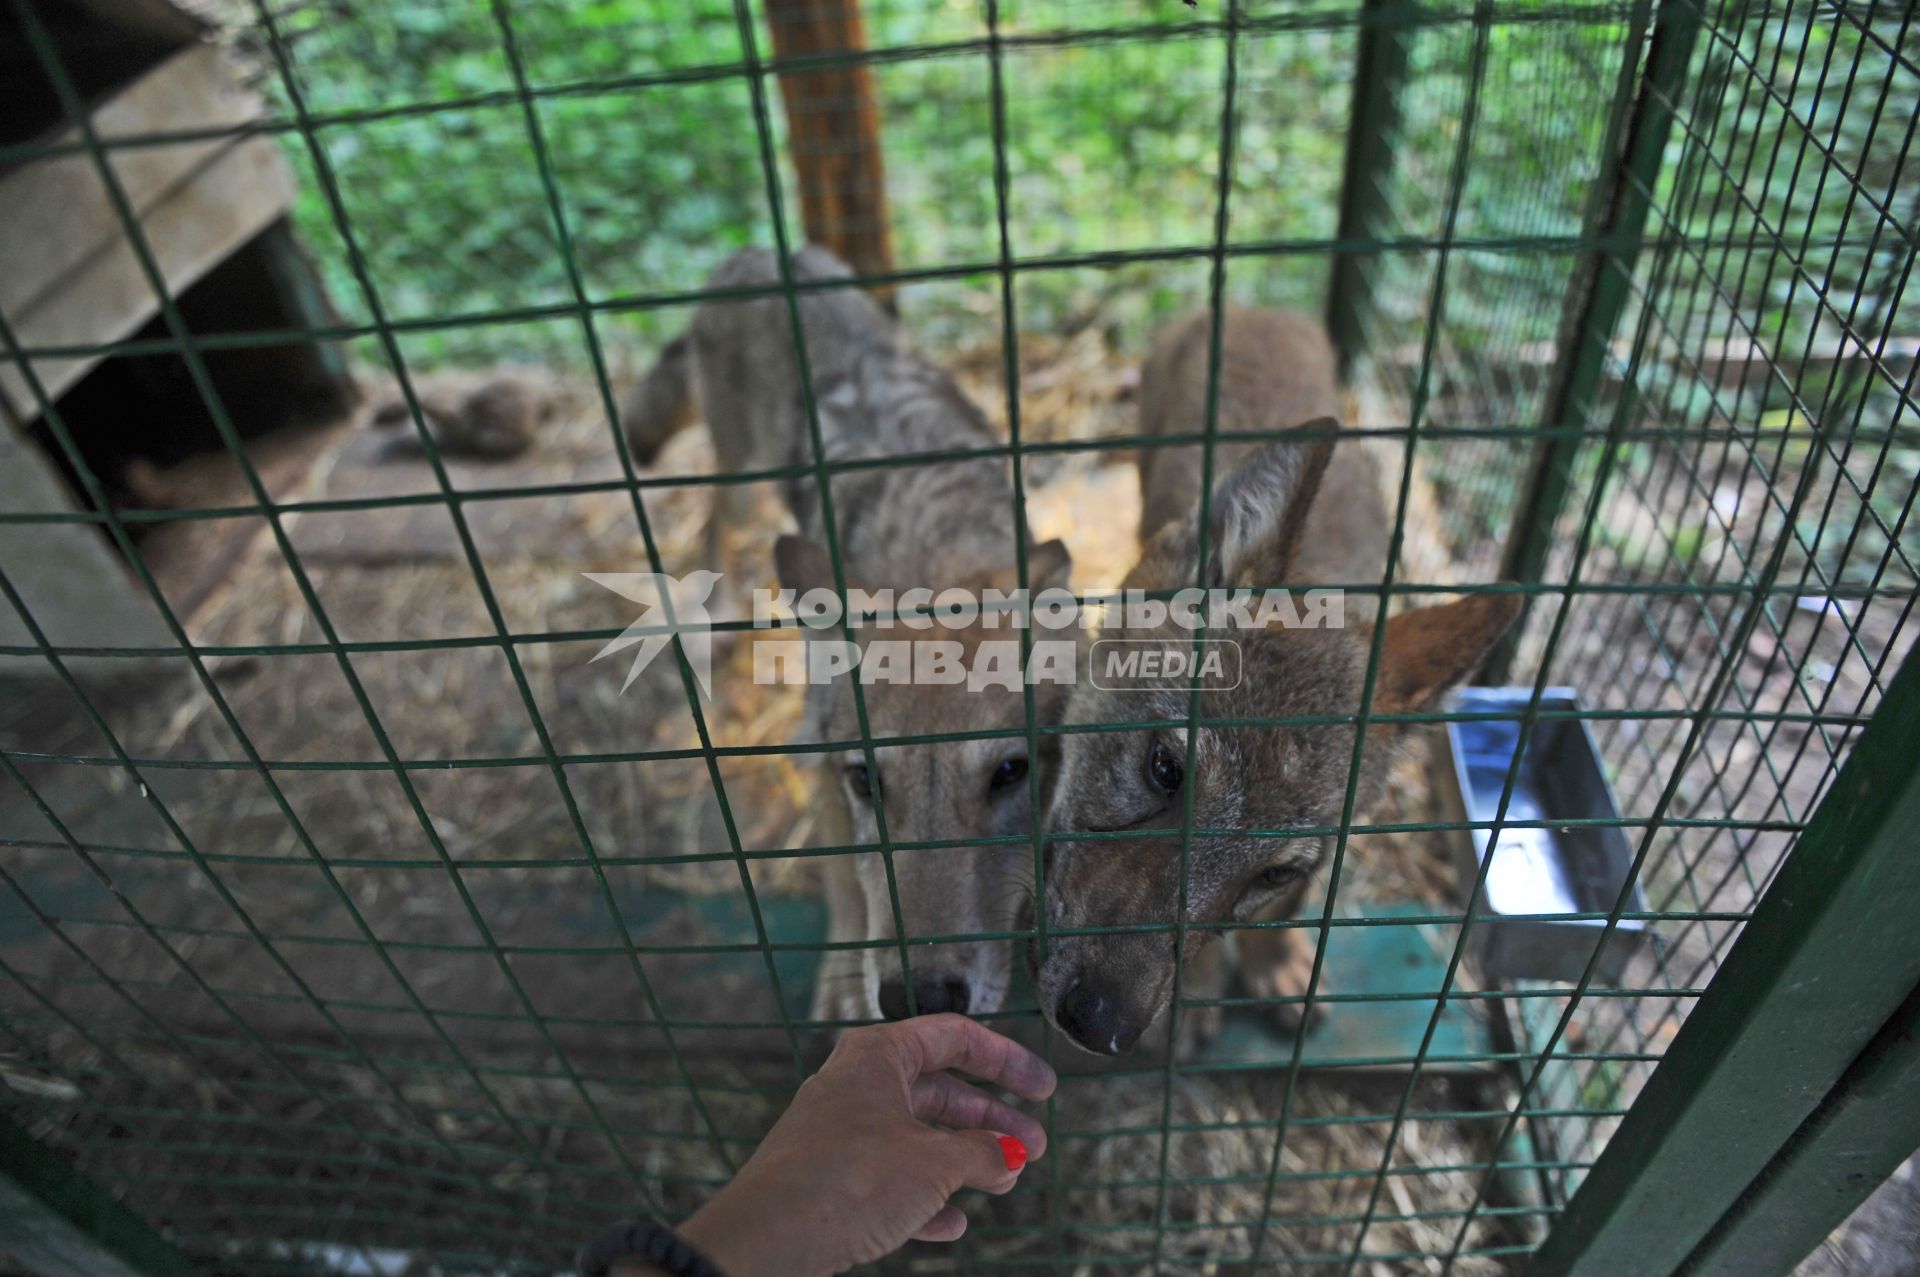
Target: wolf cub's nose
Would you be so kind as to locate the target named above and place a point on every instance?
(1097, 1020)
(934, 993)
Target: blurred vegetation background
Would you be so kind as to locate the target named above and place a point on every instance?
(1772, 198)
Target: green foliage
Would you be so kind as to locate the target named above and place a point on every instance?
(1768, 211)
(1109, 146)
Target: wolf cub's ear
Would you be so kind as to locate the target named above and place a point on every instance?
(1430, 649)
(802, 564)
(1258, 510)
(1049, 565)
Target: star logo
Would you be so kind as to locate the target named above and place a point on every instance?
(670, 606)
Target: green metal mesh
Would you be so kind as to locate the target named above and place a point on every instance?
(279, 975)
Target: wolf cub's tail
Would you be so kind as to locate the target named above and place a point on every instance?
(662, 403)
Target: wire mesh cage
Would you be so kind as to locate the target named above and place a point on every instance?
(358, 920)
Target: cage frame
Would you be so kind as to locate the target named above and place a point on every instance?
(1639, 1172)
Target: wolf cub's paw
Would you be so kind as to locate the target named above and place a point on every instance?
(1199, 1026)
(841, 998)
(1279, 964)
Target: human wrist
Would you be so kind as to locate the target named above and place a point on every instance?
(738, 1237)
(643, 1249)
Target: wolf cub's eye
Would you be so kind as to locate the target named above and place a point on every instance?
(860, 781)
(1275, 876)
(1166, 768)
(1011, 772)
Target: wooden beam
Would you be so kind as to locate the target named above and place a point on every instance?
(153, 20)
(78, 589)
(1597, 298)
(68, 272)
(54, 212)
(833, 132)
(1373, 131)
(233, 197)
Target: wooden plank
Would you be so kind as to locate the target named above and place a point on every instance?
(833, 133)
(154, 20)
(1380, 75)
(54, 213)
(77, 588)
(295, 280)
(231, 198)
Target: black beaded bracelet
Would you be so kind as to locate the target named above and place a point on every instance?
(650, 1243)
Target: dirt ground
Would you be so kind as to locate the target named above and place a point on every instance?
(499, 1005)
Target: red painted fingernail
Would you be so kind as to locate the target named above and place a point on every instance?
(1014, 1151)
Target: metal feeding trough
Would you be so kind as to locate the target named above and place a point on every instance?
(1539, 871)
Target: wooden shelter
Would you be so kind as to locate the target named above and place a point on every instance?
(76, 287)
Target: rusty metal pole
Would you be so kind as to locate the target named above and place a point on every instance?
(833, 132)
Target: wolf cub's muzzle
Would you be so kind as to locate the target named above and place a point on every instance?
(933, 993)
(1099, 1018)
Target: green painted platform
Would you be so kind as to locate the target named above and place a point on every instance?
(1402, 965)
(1405, 964)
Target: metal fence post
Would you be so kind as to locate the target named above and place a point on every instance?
(1859, 1136)
(1599, 291)
(1380, 73)
(58, 1223)
(1826, 963)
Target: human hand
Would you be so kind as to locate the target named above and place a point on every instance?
(855, 1168)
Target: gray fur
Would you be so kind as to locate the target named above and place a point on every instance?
(930, 525)
(493, 420)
